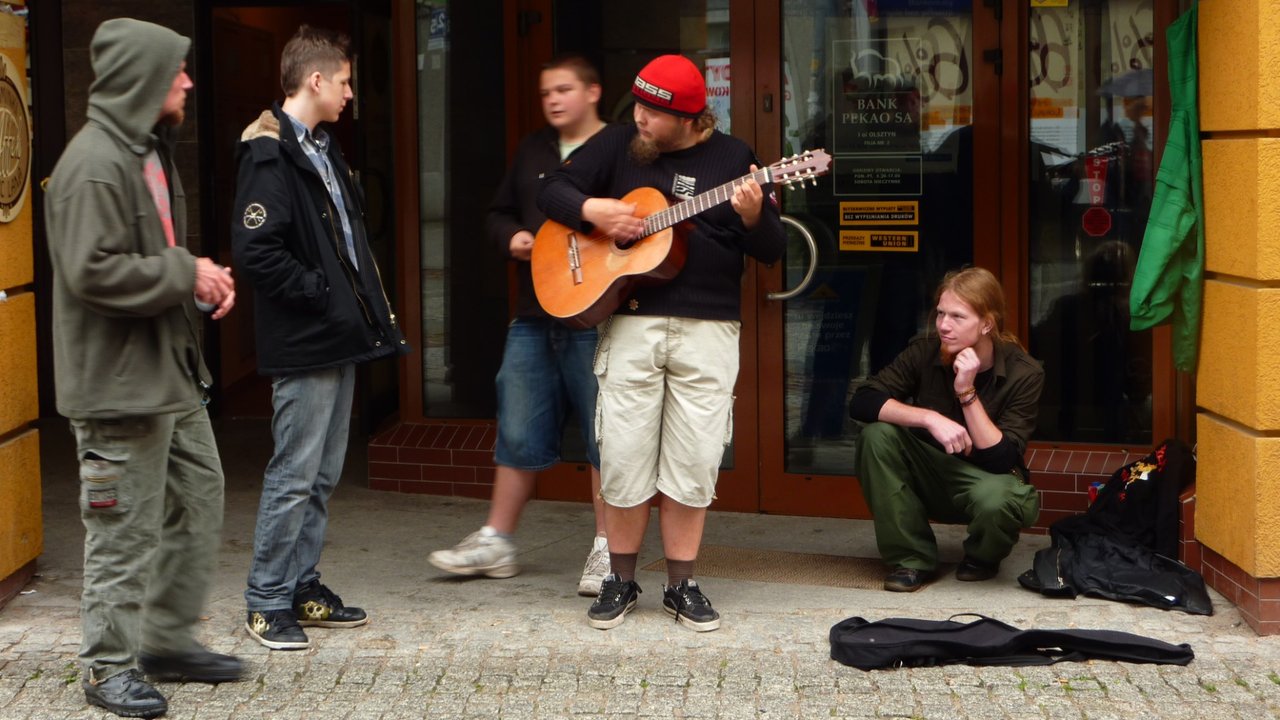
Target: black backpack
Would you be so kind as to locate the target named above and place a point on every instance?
(1140, 501)
(908, 642)
(1125, 546)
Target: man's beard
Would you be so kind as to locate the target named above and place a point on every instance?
(948, 358)
(642, 151)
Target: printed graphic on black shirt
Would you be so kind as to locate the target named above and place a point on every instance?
(683, 186)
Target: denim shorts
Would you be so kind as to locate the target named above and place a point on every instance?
(546, 371)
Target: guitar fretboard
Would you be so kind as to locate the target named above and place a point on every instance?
(682, 211)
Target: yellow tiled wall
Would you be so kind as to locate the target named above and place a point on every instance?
(21, 538)
(21, 530)
(1238, 382)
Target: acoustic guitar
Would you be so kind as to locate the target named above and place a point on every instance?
(581, 278)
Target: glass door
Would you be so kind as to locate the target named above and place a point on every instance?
(1091, 179)
(904, 95)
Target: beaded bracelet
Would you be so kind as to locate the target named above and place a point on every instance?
(963, 394)
(971, 400)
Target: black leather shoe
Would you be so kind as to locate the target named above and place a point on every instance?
(126, 694)
(971, 570)
(318, 606)
(906, 579)
(198, 666)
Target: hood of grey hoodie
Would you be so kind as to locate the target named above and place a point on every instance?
(134, 64)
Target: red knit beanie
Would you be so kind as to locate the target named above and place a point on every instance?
(672, 84)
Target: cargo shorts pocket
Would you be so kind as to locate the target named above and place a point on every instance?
(728, 424)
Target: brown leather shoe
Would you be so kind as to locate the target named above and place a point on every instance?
(903, 579)
(971, 570)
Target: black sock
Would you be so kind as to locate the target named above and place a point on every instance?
(623, 565)
(678, 570)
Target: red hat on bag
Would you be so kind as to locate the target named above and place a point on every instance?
(671, 84)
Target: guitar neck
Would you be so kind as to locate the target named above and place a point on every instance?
(681, 211)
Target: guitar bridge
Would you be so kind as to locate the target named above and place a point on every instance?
(575, 260)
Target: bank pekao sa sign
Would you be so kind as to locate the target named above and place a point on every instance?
(15, 140)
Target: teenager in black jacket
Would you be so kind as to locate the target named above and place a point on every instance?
(298, 235)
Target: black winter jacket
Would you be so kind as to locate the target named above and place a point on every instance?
(312, 309)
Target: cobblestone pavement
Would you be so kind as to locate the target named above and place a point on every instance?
(441, 647)
(542, 661)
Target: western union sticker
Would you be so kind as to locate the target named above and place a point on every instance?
(880, 240)
(905, 212)
(1048, 3)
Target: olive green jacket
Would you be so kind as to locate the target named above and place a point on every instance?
(125, 326)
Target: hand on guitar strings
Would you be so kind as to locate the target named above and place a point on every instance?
(614, 218)
(748, 197)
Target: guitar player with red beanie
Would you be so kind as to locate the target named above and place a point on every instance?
(668, 357)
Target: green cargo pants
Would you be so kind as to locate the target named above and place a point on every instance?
(907, 482)
(151, 496)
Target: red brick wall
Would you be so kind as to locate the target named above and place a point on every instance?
(437, 458)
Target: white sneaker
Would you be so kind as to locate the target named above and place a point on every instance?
(596, 568)
(480, 553)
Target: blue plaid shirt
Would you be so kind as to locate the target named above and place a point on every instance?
(316, 145)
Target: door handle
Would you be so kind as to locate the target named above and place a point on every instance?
(813, 261)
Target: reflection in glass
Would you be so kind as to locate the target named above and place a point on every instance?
(1091, 185)
(885, 88)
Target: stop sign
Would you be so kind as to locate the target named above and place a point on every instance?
(1096, 221)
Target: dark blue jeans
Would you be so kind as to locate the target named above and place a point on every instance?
(309, 426)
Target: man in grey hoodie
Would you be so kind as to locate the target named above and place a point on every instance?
(130, 376)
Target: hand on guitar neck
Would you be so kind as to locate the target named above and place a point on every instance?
(747, 199)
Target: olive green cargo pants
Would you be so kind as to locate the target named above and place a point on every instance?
(151, 498)
(907, 482)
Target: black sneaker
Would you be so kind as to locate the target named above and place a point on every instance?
(318, 606)
(199, 665)
(616, 599)
(125, 694)
(276, 629)
(686, 603)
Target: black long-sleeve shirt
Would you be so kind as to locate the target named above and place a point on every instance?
(1009, 392)
(709, 286)
(515, 207)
